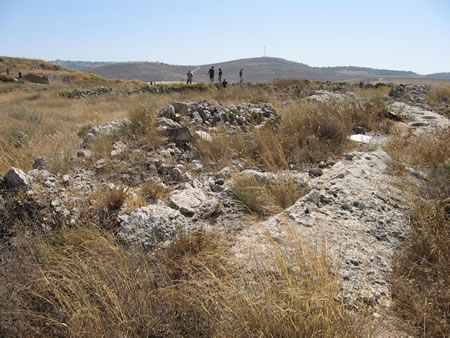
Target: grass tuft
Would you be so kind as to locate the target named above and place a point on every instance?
(267, 198)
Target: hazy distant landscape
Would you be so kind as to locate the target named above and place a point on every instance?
(259, 69)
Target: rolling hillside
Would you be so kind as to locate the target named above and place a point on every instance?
(261, 69)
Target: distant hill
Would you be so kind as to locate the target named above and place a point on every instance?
(80, 65)
(261, 69)
(438, 76)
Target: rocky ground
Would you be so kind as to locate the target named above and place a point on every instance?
(353, 207)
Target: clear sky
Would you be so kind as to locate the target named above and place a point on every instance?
(396, 34)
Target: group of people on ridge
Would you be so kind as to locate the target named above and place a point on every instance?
(211, 73)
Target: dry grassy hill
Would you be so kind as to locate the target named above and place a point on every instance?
(40, 72)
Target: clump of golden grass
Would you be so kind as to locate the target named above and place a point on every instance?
(314, 132)
(83, 283)
(284, 83)
(267, 198)
(424, 150)
(216, 153)
(108, 200)
(438, 95)
(371, 94)
(154, 191)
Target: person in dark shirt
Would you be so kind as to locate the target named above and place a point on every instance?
(224, 83)
(189, 77)
(241, 75)
(220, 75)
(211, 74)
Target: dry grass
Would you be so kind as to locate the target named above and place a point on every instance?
(217, 153)
(314, 132)
(154, 191)
(421, 270)
(425, 150)
(267, 197)
(108, 200)
(49, 125)
(371, 94)
(83, 283)
(438, 96)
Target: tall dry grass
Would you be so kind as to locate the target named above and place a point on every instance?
(421, 270)
(48, 125)
(84, 283)
(424, 150)
(438, 97)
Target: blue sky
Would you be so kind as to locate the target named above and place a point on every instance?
(402, 35)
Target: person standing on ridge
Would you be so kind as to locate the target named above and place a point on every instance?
(189, 77)
(220, 75)
(241, 77)
(211, 74)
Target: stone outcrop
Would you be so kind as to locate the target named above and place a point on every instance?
(419, 120)
(152, 226)
(108, 128)
(193, 201)
(326, 96)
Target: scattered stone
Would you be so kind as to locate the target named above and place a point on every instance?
(191, 201)
(315, 172)
(100, 164)
(118, 148)
(361, 138)
(108, 128)
(39, 163)
(16, 178)
(203, 135)
(359, 130)
(85, 153)
(66, 179)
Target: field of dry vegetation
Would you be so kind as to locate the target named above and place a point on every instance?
(80, 280)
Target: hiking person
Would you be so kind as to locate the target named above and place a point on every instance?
(241, 77)
(20, 74)
(8, 71)
(189, 77)
(211, 74)
(224, 83)
(220, 75)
